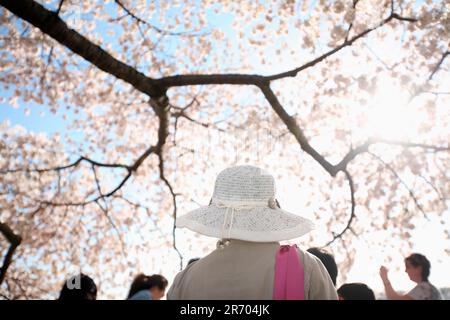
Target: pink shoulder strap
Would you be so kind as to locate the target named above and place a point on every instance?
(289, 275)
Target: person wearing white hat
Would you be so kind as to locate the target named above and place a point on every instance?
(244, 214)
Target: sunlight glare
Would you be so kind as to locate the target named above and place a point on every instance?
(390, 115)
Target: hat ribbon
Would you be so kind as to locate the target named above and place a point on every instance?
(232, 208)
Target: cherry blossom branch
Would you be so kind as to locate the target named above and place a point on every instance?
(133, 204)
(174, 204)
(352, 210)
(138, 20)
(59, 6)
(14, 241)
(44, 73)
(105, 209)
(437, 93)
(211, 79)
(4, 297)
(146, 209)
(161, 108)
(444, 55)
(342, 165)
(136, 206)
(390, 68)
(159, 30)
(130, 170)
(441, 197)
(64, 167)
(51, 24)
(346, 43)
(19, 285)
(408, 19)
(420, 89)
(111, 222)
(189, 105)
(355, 2)
(298, 133)
(412, 145)
(182, 114)
(294, 128)
(411, 193)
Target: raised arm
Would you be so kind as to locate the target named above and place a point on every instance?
(391, 294)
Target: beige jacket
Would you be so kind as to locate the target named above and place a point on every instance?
(245, 271)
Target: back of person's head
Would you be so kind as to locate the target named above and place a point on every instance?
(79, 287)
(419, 260)
(144, 282)
(355, 291)
(193, 260)
(328, 261)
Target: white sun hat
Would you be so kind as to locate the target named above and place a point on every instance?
(243, 207)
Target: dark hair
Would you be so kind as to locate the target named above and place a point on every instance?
(416, 260)
(328, 261)
(356, 291)
(193, 260)
(144, 282)
(79, 287)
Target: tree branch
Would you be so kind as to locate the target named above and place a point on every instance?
(44, 73)
(210, 79)
(441, 197)
(346, 43)
(174, 203)
(146, 209)
(295, 129)
(139, 20)
(342, 165)
(161, 108)
(183, 114)
(73, 164)
(444, 55)
(398, 17)
(294, 72)
(411, 193)
(355, 2)
(59, 6)
(352, 210)
(111, 222)
(130, 170)
(14, 241)
(412, 145)
(298, 133)
(365, 147)
(51, 24)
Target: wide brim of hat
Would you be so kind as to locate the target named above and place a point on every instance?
(255, 224)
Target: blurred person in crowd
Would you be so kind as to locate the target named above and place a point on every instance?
(79, 287)
(418, 268)
(328, 261)
(355, 291)
(146, 287)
